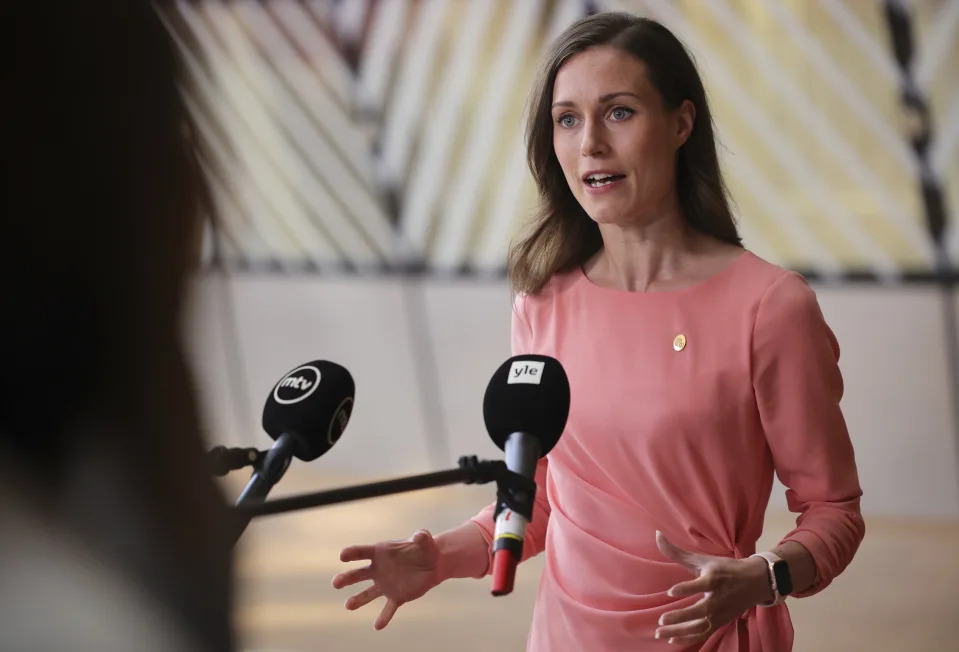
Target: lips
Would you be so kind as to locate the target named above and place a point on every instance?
(601, 178)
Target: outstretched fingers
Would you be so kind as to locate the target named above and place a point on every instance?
(355, 553)
(347, 578)
(386, 614)
(363, 598)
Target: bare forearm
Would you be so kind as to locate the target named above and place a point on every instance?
(802, 571)
(802, 566)
(463, 552)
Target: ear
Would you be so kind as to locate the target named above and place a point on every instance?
(685, 118)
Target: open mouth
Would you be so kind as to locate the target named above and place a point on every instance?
(602, 179)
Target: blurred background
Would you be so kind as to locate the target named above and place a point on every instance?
(368, 172)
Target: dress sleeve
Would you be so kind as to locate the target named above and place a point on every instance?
(521, 337)
(798, 387)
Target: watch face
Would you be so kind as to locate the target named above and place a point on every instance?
(784, 583)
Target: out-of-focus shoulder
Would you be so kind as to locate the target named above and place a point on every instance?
(767, 278)
(557, 284)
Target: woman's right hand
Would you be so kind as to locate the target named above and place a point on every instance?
(401, 571)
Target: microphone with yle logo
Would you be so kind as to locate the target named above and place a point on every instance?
(305, 414)
(525, 409)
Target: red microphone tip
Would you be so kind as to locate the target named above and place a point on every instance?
(504, 572)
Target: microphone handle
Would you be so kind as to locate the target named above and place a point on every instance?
(268, 472)
(522, 452)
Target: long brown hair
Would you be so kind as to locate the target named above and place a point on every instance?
(105, 201)
(560, 234)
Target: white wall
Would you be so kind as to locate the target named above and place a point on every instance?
(422, 351)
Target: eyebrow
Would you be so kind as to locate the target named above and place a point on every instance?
(603, 98)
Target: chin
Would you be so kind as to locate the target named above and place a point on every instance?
(607, 215)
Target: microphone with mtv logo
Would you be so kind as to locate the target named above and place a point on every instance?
(305, 414)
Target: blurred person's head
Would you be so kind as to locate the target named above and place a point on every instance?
(99, 427)
(657, 140)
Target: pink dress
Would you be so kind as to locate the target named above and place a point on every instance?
(685, 442)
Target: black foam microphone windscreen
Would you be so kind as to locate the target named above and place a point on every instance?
(529, 394)
(312, 403)
(525, 409)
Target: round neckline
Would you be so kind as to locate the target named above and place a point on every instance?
(709, 280)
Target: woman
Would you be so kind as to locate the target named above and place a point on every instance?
(113, 535)
(697, 370)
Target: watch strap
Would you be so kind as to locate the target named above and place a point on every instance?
(771, 558)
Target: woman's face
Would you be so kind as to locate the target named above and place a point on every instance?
(613, 138)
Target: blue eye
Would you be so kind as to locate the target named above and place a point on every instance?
(621, 113)
(566, 120)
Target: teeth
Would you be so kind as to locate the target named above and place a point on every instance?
(597, 180)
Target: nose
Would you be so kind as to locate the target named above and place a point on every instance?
(594, 139)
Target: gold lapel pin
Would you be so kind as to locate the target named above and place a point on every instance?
(679, 342)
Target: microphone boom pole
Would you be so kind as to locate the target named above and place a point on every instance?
(470, 471)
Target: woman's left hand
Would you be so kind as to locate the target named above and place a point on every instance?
(729, 588)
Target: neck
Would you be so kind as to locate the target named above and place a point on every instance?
(646, 252)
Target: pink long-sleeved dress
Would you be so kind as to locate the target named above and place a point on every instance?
(683, 435)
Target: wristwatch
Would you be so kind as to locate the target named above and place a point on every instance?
(779, 578)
